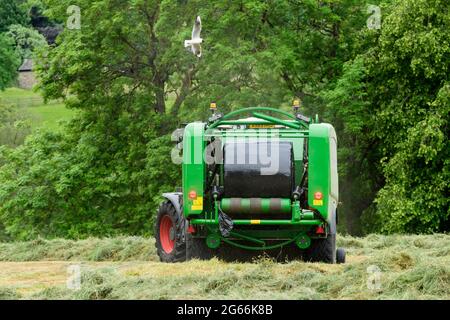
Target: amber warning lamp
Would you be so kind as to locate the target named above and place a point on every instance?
(296, 105)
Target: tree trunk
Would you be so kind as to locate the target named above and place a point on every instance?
(185, 90)
(160, 99)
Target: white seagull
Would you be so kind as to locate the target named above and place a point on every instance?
(195, 42)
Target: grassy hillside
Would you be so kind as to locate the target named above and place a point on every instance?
(412, 267)
(42, 115)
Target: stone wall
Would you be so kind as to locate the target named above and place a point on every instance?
(27, 80)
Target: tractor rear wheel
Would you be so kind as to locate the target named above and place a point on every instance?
(173, 243)
(322, 250)
(170, 234)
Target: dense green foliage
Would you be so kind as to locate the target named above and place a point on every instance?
(411, 75)
(12, 12)
(397, 109)
(9, 61)
(386, 91)
(27, 41)
(85, 182)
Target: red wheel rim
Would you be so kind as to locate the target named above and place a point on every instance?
(167, 234)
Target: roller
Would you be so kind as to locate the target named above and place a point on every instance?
(258, 169)
(255, 205)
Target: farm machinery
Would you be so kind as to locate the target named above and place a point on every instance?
(253, 180)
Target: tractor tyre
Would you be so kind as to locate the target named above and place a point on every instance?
(170, 234)
(322, 250)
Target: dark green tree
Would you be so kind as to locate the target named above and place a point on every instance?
(392, 105)
(12, 12)
(9, 61)
(27, 41)
(410, 89)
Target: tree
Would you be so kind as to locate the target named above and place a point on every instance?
(410, 78)
(391, 105)
(251, 51)
(9, 62)
(12, 12)
(26, 40)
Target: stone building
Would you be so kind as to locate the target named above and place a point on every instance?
(27, 78)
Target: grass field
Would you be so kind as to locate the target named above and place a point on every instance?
(42, 115)
(410, 267)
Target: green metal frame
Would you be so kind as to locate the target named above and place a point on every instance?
(262, 222)
(321, 178)
(294, 123)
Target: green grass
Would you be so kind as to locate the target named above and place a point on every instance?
(14, 94)
(412, 267)
(50, 116)
(42, 115)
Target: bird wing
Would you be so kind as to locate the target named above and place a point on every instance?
(197, 28)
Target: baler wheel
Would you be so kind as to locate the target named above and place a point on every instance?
(170, 234)
(322, 250)
(340, 255)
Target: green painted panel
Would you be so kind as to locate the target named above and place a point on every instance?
(194, 169)
(319, 167)
(322, 170)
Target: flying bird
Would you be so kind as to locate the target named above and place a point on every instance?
(195, 42)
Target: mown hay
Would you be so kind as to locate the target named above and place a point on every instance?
(410, 267)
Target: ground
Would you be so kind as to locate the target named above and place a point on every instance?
(378, 267)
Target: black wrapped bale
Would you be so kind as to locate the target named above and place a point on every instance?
(258, 169)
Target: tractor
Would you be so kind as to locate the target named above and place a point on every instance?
(254, 180)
